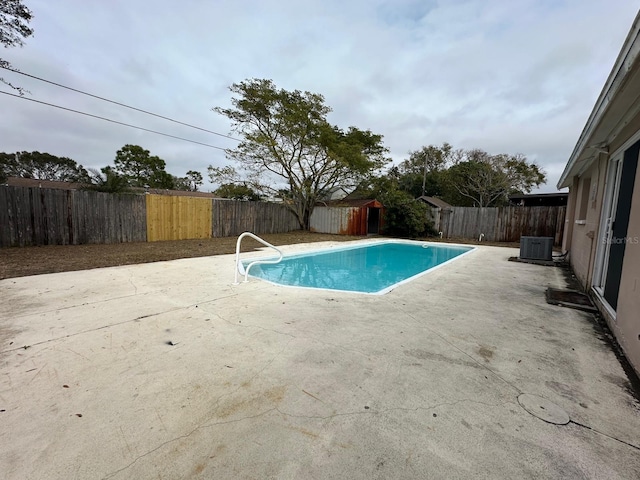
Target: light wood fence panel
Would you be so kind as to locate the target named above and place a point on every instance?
(177, 218)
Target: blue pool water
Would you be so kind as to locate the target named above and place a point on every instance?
(372, 268)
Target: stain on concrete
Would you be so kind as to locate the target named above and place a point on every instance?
(304, 431)
(438, 357)
(267, 398)
(7, 335)
(276, 394)
(486, 353)
(563, 389)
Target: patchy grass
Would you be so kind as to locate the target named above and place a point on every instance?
(25, 261)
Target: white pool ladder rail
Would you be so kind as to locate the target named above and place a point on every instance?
(256, 262)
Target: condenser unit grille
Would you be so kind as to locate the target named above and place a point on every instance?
(536, 248)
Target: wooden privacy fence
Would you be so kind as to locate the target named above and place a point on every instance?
(232, 217)
(41, 216)
(502, 224)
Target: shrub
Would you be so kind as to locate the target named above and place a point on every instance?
(405, 216)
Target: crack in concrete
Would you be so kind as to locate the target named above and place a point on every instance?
(514, 386)
(182, 437)
(305, 337)
(208, 425)
(135, 288)
(253, 377)
(103, 327)
(587, 427)
(97, 302)
(394, 409)
(473, 359)
(70, 335)
(247, 325)
(286, 414)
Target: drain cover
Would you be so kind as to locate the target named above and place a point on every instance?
(543, 409)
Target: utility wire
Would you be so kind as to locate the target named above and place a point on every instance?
(118, 103)
(110, 120)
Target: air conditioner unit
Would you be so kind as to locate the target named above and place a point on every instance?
(536, 248)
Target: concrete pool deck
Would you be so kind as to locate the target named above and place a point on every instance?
(166, 370)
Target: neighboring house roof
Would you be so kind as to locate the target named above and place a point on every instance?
(34, 182)
(336, 193)
(435, 202)
(532, 199)
(613, 110)
(175, 193)
(366, 202)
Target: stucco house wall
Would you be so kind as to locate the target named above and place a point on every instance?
(586, 194)
(585, 231)
(611, 130)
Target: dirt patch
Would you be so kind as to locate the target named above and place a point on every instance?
(24, 261)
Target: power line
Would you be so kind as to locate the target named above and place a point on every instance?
(118, 103)
(110, 120)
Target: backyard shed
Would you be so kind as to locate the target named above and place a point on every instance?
(348, 217)
(437, 208)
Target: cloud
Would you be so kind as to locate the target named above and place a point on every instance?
(503, 76)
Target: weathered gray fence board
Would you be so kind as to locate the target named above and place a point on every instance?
(503, 224)
(232, 217)
(40, 216)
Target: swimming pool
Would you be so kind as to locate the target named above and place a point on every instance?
(373, 268)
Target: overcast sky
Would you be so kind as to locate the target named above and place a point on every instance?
(505, 76)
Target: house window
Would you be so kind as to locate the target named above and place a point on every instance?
(584, 199)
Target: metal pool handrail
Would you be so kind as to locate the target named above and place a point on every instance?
(256, 262)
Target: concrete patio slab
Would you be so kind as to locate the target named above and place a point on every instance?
(166, 370)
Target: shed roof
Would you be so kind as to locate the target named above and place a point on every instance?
(435, 202)
(364, 202)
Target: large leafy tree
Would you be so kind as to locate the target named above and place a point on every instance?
(141, 169)
(189, 183)
(14, 19)
(106, 180)
(484, 180)
(421, 173)
(237, 191)
(289, 144)
(42, 166)
(195, 180)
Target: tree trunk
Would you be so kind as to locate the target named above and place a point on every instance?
(307, 219)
